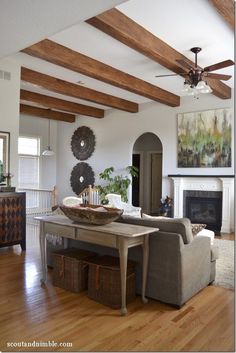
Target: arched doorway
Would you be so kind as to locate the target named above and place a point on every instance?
(147, 157)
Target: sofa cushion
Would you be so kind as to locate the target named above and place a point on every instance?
(207, 233)
(181, 226)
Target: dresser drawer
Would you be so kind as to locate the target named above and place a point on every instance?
(64, 231)
(99, 238)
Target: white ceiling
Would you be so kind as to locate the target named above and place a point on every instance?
(180, 23)
(25, 22)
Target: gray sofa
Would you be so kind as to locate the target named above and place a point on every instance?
(180, 265)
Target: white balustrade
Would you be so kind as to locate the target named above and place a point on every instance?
(39, 201)
(90, 195)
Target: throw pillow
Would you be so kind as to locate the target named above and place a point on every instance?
(196, 228)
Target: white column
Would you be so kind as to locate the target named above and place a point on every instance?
(227, 204)
(178, 197)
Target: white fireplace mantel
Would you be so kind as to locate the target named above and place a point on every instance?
(207, 183)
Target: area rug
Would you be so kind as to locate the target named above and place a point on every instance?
(225, 264)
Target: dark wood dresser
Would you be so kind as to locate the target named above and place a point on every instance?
(12, 219)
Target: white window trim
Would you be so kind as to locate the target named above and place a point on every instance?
(39, 138)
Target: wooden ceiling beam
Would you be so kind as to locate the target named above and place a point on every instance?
(226, 8)
(71, 89)
(46, 113)
(72, 60)
(60, 104)
(119, 26)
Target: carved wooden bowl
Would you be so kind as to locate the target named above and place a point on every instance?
(91, 214)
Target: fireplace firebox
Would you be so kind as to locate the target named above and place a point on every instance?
(204, 207)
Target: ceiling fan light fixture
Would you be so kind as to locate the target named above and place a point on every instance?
(191, 92)
(186, 87)
(206, 89)
(201, 85)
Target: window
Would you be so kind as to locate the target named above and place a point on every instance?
(29, 156)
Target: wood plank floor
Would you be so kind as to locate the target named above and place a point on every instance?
(31, 313)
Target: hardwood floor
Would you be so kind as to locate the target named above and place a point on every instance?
(226, 236)
(34, 313)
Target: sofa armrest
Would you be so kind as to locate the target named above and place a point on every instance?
(164, 267)
(195, 266)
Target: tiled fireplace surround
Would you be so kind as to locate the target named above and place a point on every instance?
(207, 183)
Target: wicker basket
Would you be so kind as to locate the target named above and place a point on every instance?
(104, 284)
(70, 271)
(92, 214)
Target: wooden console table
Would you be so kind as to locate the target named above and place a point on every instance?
(115, 235)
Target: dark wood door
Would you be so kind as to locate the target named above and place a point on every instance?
(156, 182)
(136, 181)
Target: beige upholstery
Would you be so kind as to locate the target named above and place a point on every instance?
(180, 265)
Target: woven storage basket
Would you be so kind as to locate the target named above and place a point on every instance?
(104, 283)
(70, 271)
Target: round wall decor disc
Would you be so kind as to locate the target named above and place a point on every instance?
(83, 143)
(82, 176)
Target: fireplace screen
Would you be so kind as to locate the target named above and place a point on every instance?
(203, 208)
(202, 211)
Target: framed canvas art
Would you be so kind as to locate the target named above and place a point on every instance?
(205, 139)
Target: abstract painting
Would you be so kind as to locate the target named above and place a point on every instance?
(205, 138)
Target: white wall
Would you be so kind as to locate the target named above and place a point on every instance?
(117, 132)
(38, 127)
(9, 111)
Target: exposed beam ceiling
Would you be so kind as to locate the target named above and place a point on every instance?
(71, 89)
(61, 104)
(127, 31)
(46, 113)
(226, 8)
(72, 60)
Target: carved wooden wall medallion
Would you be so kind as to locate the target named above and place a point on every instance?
(83, 143)
(82, 176)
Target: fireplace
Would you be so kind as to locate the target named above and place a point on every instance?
(206, 183)
(203, 207)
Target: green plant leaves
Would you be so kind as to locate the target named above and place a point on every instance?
(117, 184)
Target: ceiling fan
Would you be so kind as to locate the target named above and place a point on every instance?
(196, 77)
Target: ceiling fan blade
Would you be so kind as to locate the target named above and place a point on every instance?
(218, 76)
(184, 64)
(219, 65)
(166, 75)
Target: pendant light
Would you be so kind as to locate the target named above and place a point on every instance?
(48, 152)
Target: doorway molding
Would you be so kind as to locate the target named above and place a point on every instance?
(146, 145)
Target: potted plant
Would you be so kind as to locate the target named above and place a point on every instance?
(117, 184)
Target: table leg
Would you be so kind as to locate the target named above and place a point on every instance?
(123, 251)
(145, 266)
(42, 239)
